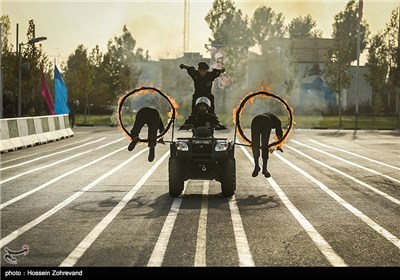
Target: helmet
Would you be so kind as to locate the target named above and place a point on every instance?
(218, 55)
(204, 100)
(203, 65)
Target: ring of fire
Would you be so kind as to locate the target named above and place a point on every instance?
(136, 91)
(243, 103)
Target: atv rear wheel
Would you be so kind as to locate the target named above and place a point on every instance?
(175, 177)
(228, 177)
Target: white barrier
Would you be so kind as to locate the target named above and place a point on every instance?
(17, 133)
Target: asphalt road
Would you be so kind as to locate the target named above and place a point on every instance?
(86, 201)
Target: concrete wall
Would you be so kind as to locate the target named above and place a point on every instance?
(17, 133)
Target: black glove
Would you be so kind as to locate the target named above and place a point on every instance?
(161, 141)
(185, 127)
(220, 126)
(280, 149)
(182, 66)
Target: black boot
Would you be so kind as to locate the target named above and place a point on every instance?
(135, 140)
(255, 171)
(151, 154)
(265, 171)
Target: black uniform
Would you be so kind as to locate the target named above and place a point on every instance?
(202, 86)
(151, 117)
(198, 119)
(261, 126)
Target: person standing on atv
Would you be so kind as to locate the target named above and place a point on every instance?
(261, 127)
(151, 117)
(202, 117)
(203, 80)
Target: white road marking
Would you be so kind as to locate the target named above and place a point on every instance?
(157, 256)
(53, 154)
(15, 199)
(357, 155)
(14, 159)
(385, 195)
(316, 237)
(75, 255)
(201, 245)
(4, 241)
(348, 162)
(380, 230)
(55, 163)
(242, 245)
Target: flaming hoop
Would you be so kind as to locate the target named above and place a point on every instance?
(250, 98)
(172, 113)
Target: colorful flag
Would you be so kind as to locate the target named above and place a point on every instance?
(47, 96)
(61, 106)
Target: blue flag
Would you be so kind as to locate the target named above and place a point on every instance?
(61, 93)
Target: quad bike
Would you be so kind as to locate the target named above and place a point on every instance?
(202, 157)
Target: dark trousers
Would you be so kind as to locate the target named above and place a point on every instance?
(151, 117)
(211, 97)
(260, 132)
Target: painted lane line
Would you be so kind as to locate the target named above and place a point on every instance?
(385, 195)
(14, 159)
(357, 155)
(4, 241)
(77, 253)
(70, 144)
(330, 254)
(58, 148)
(201, 245)
(242, 245)
(53, 154)
(348, 162)
(380, 230)
(43, 167)
(157, 256)
(55, 163)
(15, 199)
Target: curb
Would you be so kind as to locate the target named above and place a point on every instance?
(18, 133)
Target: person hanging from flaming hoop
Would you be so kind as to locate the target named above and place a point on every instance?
(203, 79)
(261, 127)
(151, 117)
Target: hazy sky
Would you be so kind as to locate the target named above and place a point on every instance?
(157, 26)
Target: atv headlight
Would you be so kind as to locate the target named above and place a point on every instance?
(182, 146)
(221, 146)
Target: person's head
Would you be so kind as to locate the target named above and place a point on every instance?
(203, 104)
(203, 68)
(219, 58)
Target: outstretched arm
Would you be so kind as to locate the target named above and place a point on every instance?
(184, 66)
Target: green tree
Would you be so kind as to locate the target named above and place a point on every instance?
(266, 24)
(9, 64)
(378, 67)
(392, 35)
(344, 50)
(34, 62)
(303, 27)
(102, 95)
(337, 73)
(120, 62)
(345, 30)
(78, 78)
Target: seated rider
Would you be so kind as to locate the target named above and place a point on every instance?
(202, 117)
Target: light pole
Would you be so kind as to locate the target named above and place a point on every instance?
(31, 42)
